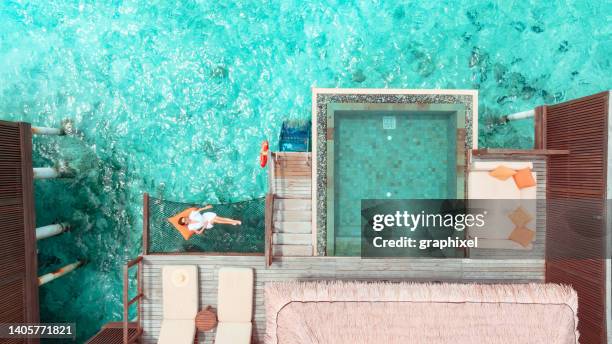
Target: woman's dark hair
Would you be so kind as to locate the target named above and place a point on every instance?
(182, 221)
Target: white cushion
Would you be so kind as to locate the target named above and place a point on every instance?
(235, 295)
(491, 165)
(497, 223)
(482, 186)
(177, 331)
(498, 226)
(180, 292)
(233, 333)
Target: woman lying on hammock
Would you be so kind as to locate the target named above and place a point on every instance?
(198, 221)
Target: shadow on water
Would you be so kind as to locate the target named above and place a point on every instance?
(94, 202)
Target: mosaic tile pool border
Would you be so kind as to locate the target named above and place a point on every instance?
(323, 97)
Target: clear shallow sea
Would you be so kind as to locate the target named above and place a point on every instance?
(174, 97)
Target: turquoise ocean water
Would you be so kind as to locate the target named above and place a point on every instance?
(174, 97)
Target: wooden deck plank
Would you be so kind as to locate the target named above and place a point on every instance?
(292, 215)
(518, 152)
(292, 204)
(292, 227)
(297, 250)
(292, 238)
(322, 268)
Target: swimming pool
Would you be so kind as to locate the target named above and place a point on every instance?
(174, 97)
(400, 150)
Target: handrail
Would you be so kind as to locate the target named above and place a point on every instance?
(269, 213)
(271, 171)
(136, 299)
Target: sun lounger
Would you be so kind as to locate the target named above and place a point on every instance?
(482, 186)
(235, 306)
(180, 304)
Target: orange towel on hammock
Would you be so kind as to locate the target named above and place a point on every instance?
(185, 232)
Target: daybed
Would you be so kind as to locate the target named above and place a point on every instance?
(500, 198)
(361, 312)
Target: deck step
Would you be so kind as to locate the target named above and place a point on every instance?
(292, 204)
(292, 250)
(292, 239)
(292, 227)
(295, 194)
(288, 187)
(292, 215)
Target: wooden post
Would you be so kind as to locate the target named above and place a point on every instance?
(51, 230)
(47, 131)
(61, 170)
(45, 173)
(126, 307)
(46, 278)
(127, 302)
(540, 127)
(519, 115)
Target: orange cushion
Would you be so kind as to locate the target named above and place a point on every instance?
(524, 179)
(522, 235)
(520, 217)
(185, 232)
(502, 172)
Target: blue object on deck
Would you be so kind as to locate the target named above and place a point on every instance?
(295, 136)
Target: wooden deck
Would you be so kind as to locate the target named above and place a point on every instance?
(322, 268)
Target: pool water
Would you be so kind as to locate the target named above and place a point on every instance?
(174, 97)
(387, 155)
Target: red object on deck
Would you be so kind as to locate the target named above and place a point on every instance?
(263, 154)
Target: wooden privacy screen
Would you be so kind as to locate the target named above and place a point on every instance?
(576, 196)
(18, 280)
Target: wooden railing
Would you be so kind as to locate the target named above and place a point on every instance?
(269, 224)
(128, 302)
(269, 214)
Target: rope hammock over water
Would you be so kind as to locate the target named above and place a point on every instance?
(246, 238)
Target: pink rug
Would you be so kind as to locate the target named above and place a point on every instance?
(355, 313)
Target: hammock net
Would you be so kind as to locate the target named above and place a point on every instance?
(246, 238)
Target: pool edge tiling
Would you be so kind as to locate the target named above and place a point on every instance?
(322, 97)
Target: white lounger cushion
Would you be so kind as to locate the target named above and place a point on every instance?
(233, 333)
(491, 165)
(177, 331)
(180, 304)
(482, 186)
(235, 295)
(180, 292)
(235, 306)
